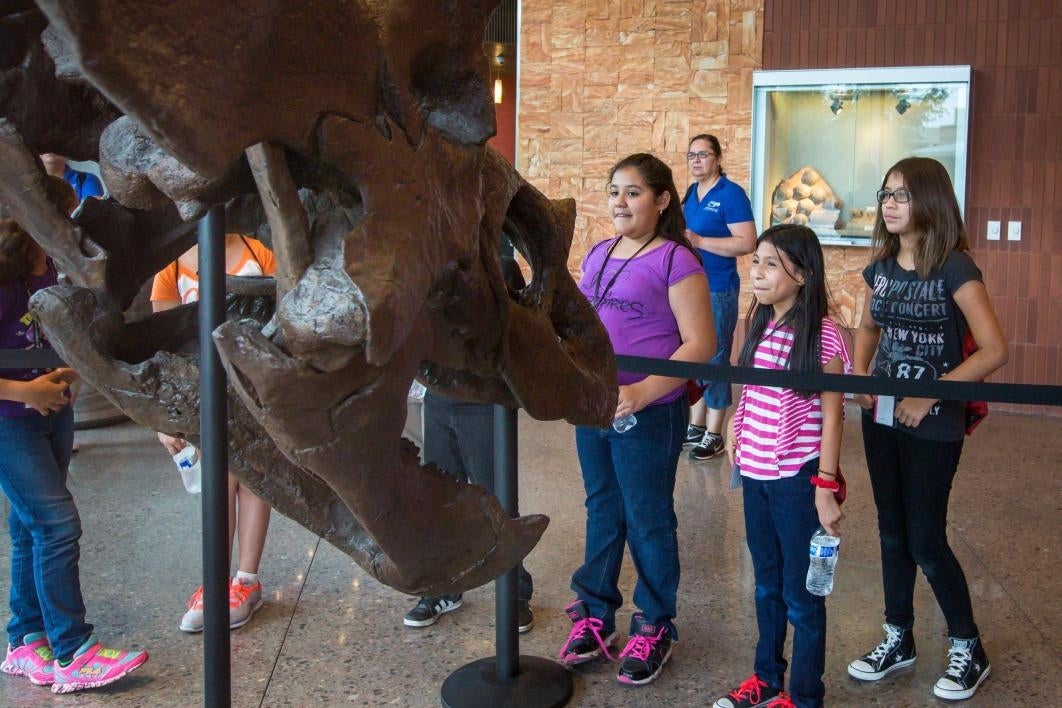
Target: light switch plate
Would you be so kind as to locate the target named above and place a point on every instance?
(1014, 231)
(993, 230)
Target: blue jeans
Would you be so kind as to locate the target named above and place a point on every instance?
(630, 485)
(459, 440)
(780, 519)
(45, 529)
(724, 312)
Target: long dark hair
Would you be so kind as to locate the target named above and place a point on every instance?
(934, 214)
(801, 246)
(18, 252)
(658, 177)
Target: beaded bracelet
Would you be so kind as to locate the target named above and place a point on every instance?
(829, 484)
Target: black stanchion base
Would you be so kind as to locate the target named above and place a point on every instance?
(541, 683)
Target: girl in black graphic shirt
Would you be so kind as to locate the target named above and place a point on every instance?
(924, 294)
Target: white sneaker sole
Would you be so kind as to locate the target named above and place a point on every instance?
(961, 695)
(432, 620)
(576, 659)
(652, 677)
(858, 673)
(240, 622)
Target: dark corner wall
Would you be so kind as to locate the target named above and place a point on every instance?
(1015, 153)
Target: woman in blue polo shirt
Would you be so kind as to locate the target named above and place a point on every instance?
(719, 224)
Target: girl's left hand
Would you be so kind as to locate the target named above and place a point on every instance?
(911, 411)
(830, 513)
(631, 400)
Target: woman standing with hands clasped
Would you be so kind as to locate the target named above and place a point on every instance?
(649, 290)
(719, 224)
(924, 294)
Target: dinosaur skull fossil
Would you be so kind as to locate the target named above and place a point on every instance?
(351, 136)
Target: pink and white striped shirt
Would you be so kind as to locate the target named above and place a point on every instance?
(776, 430)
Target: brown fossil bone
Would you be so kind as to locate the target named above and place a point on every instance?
(363, 127)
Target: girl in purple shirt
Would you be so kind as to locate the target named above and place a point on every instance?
(651, 294)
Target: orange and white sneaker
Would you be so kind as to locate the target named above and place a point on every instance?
(244, 599)
(95, 665)
(192, 621)
(33, 660)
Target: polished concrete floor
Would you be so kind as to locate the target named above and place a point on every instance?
(330, 635)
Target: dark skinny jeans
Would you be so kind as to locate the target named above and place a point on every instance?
(912, 479)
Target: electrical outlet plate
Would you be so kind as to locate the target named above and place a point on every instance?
(993, 230)
(1014, 231)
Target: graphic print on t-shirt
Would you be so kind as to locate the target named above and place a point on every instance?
(634, 308)
(913, 314)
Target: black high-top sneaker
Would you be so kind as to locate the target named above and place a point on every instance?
(896, 651)
(967, 667)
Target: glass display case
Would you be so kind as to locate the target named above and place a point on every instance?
(822, 140)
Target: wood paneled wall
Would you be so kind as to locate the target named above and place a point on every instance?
(1015, 165)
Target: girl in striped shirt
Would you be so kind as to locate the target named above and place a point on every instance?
(783, 442)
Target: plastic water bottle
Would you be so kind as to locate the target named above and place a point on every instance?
(622, 425)
(823, 552)
(187, 460)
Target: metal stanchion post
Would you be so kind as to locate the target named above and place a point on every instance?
(507, 679)
(214, 456)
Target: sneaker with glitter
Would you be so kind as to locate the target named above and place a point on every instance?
(95, 665)
(33, 659)
(584, 640)
(244, 600)
(754, 692)
(646, 652)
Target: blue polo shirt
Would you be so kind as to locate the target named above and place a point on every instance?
(85, 184)
(725, 203)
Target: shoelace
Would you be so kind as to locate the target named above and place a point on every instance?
(238, 593)
(580, 629)
(752, 689)
(196, 598)
(958, 659)
(639, 647)
(891, 641)
(782, 701)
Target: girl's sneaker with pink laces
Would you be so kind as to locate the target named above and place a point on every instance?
(33, 659)
(95, 665)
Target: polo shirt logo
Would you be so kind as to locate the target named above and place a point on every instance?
(712, 205)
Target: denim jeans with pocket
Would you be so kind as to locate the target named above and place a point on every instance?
(911, 478)
(630, 499)
(780, 519)
(717, 394)
(459, 439)
(45, 531)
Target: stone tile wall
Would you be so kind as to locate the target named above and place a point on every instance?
(601, 79)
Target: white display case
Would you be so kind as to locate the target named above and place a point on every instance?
(822, 140)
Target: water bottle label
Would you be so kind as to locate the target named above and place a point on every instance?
(817, 551)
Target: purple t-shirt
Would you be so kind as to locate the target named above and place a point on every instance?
(636, 311)
(17, 331)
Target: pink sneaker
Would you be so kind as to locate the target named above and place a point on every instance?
(33, 660)
(95, 665)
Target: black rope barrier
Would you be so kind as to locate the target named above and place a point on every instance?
(1029, 394)
(1035, 394)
